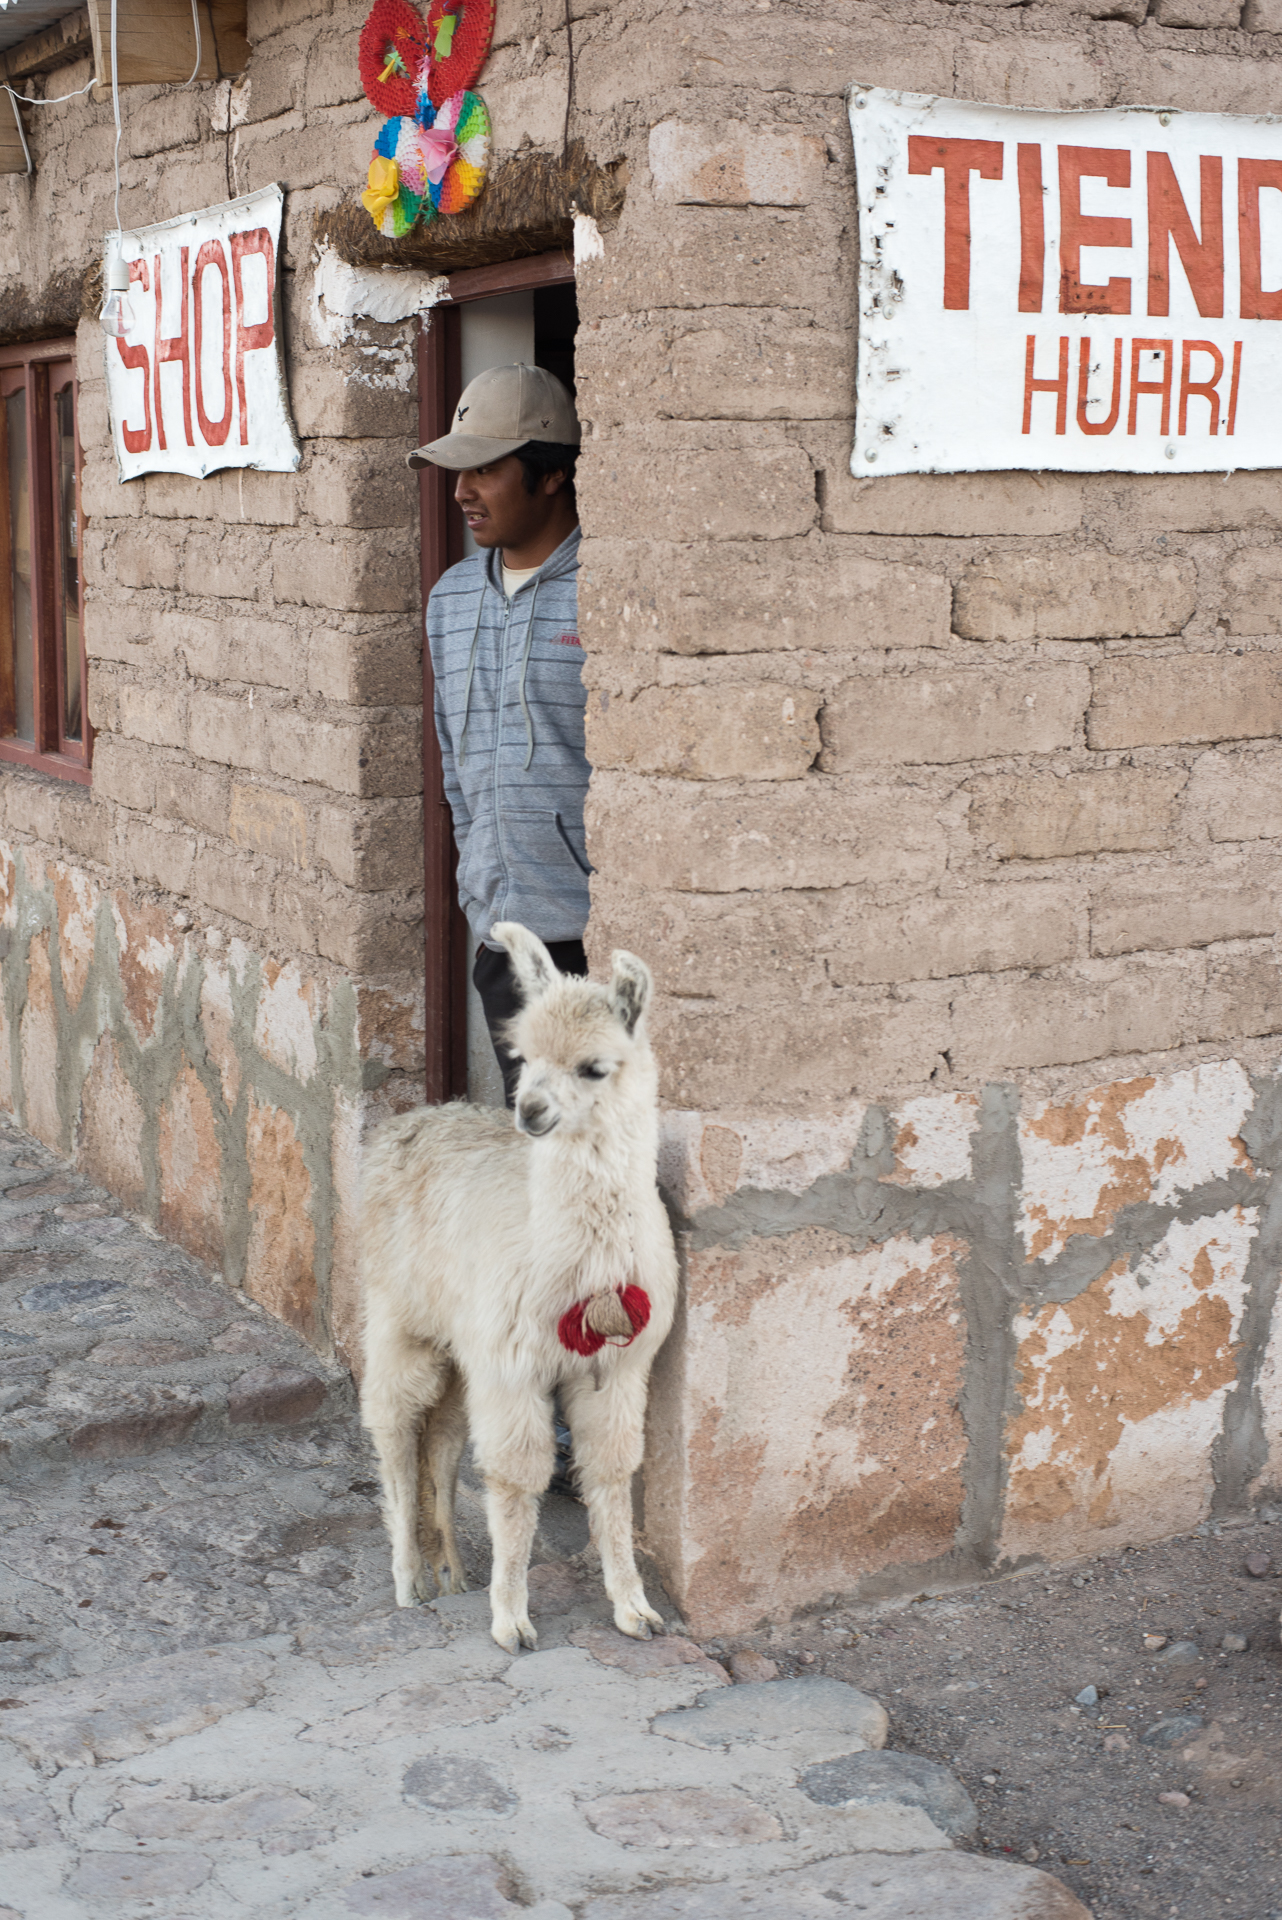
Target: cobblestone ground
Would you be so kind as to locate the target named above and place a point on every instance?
(210, 1706)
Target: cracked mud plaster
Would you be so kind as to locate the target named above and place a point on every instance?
(1134, 1143)
(1123, 1394)
(210, 1090)
(850, 1458)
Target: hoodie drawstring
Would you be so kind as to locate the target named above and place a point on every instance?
(525, 661)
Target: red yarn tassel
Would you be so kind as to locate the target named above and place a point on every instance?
(636, 1304)
(578, 1338)
(572, 1333)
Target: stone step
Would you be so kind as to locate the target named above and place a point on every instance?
(114, 1342)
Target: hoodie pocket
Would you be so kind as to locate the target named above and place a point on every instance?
(578, 860)
(538, 839)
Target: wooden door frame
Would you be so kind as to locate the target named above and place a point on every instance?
(445, 932)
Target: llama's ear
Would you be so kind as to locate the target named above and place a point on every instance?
(630, 988)
(531, 961)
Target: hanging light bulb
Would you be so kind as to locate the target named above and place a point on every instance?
(117, 316)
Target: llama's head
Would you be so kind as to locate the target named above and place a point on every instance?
(583, 1045)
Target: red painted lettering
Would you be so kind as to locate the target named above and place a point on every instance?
(1204, 389)
(212, 255)
(1233, 386)
(1032, 228)
(1078, 229)
(1168, 219)
(1162, 386)
(1252, 178)
(1058, 386)
(138, 439)
(262, 333)
(176, 346)
(1083, 372)
(958, 159)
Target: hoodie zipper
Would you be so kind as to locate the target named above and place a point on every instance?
(498, 746)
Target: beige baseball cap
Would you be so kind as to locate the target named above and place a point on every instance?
(499, 411)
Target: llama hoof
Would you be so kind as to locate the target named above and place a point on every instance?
(514, 1635)
(411, 1588)
(639, 1621)
(450, 1580)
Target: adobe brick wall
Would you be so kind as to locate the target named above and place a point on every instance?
(1020, 893)
(942, 807)
(252, 839)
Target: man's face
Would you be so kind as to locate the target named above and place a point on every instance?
(498, 510)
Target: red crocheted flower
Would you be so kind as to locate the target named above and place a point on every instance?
(394, 56)
(572, 1333)
(457, 70)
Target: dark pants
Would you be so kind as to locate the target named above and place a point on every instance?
(501, 997)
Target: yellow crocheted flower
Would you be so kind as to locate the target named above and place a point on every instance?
(383, 189)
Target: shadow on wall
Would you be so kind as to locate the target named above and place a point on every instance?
(220, 1095)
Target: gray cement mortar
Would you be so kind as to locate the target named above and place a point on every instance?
(209, 1705)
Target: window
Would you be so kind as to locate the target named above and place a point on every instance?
(42, 655)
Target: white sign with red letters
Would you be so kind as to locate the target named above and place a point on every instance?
(198, 381)
(1095, 292)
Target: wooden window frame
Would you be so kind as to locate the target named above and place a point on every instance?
(52, 752)
(445, 931)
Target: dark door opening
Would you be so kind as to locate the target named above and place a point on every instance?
(520, 310)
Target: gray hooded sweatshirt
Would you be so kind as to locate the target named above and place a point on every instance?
(509, 716)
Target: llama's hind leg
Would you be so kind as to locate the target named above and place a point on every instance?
(441, 1449)
(512, 1431)
(609, 1438)
(403, 1378)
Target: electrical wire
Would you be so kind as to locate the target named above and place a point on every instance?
(195, 21)
(115, 107)
(31, 101)
(56, 100)
(115, 92)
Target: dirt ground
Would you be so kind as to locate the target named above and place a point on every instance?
(985, 1681)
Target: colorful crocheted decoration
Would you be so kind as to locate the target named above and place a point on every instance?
(433, 154)
(438, 164)
(573, 1332)
(460, 32)
(394, 57)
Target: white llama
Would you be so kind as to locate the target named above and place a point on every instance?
(501, 1264)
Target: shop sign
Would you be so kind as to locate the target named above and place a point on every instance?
(197, 383)
(1095, 292)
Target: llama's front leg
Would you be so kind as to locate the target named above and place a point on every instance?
(609, 1437)
(513, 1514)
(512, 1432)
(401, 1380)
(444, 1438)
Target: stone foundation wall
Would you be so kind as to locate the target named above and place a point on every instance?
(941, 1341)
(222, 1096)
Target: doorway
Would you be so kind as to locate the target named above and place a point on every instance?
(520, 310)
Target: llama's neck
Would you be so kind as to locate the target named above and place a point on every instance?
(585, 1191)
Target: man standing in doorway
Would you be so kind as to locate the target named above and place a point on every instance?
(503, 629)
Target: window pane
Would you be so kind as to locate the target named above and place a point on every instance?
(20, 548)
(68, 559)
